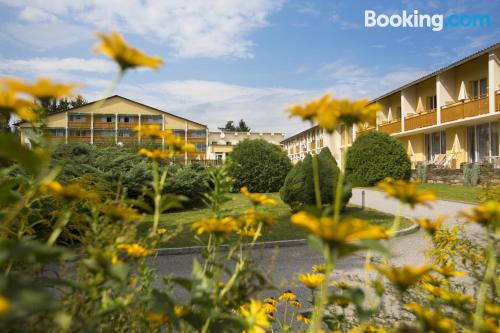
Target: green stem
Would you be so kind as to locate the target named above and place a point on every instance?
(116, 80)
(320, 302)
(157, 197)
(317, 191)
(60, 224)
(338, 188)
(488, 276)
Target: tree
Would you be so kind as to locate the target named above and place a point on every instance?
(375, 156)
(63, 104)
(242, 126)
(259, 165)
(298, 188)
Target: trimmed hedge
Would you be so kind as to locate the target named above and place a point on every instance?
(298, 189)
(259, 165)
(375, 156)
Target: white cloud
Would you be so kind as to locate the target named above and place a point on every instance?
(199, 28)
(344, 24)
(33, 14)
(44, 36)
(49, 66)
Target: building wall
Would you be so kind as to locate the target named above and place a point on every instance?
(472, 70)
(414, 146)
(424, 90)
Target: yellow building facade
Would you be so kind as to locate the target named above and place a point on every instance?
(445, 118)
(112, 121)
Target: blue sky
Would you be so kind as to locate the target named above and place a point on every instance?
(232, 59)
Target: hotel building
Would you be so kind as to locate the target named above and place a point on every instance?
(448, 117)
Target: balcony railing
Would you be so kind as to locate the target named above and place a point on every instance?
(127, 125)
(79, 124)
(104, 125)
(79, 139)
(467, 109)
(391, 128)
(429, 118)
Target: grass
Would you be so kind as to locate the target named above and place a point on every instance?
(282, 230)
(455, 192)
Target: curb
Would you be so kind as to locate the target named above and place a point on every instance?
(260, 245)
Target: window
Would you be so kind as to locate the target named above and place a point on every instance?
(104, 133)
(78, 118)
(431, 103)
(200, 147)
(56, 131)
(109, 119)
(482, 141)
(478, 88)
(228, 143)
(125, 133)
(153, 119)
(126, 119)
(197, 134)
(79, 132)
(435, 144)
(179, 133)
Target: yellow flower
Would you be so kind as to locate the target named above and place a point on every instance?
(181, 310)
(271, 300)
(4, 305)
(486, 214)
(135, 250)
(154, 154)
(311, 109)
(269, 308)
(341, 300)
(341, 285)
(431, 320)
(9, 103)
(215, 226)
(319, 268)
(367, 329)
(152, 131)
(492, 309)
(287, 296)
(490, 325)
(248, 232)
(71, 191)
(448, 295)
(127, 57)
(429, 226)
(312, 281)
(256, 318)
(253, 217)
(257, 198)
(448, 271)
(403, 277)
(161, 231)
(296, 304)
(347, 112)
(435, 281)
(304, 319)
(43, 88)
(345, 232)
(156, 319)
(406, 192)
(120, 212)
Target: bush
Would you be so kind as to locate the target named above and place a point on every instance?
(298, 189)
(422, 172)
(375, 156)
(471, 174)
(259, 165)
(190, 181)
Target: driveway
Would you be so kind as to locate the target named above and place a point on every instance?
(284, 264)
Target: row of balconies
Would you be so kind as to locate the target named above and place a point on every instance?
(449, 113)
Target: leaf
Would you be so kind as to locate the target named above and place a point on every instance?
(11, 149)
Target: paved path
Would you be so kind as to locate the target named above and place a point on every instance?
(284, 264)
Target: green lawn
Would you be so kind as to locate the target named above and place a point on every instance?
(282, 230)
(455, 192)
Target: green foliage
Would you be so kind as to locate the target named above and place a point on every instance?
(471, 174)
(375, 156)
(298, 189)
(259, 165)
(422, 172)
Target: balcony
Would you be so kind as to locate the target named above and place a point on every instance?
(391, 127)
(127, 125)
(79, 124)
(428, 118)
(104, 139)
(463, 110)
(79, 139)
(104, 125)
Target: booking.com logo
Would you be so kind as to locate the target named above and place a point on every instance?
(416, 20)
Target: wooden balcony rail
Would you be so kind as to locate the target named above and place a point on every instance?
(110, 139)
(79, 138)
(421, 120)
(79, 124)
(127, 125)
(467, 109)
(391, 128)
(104, 125)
